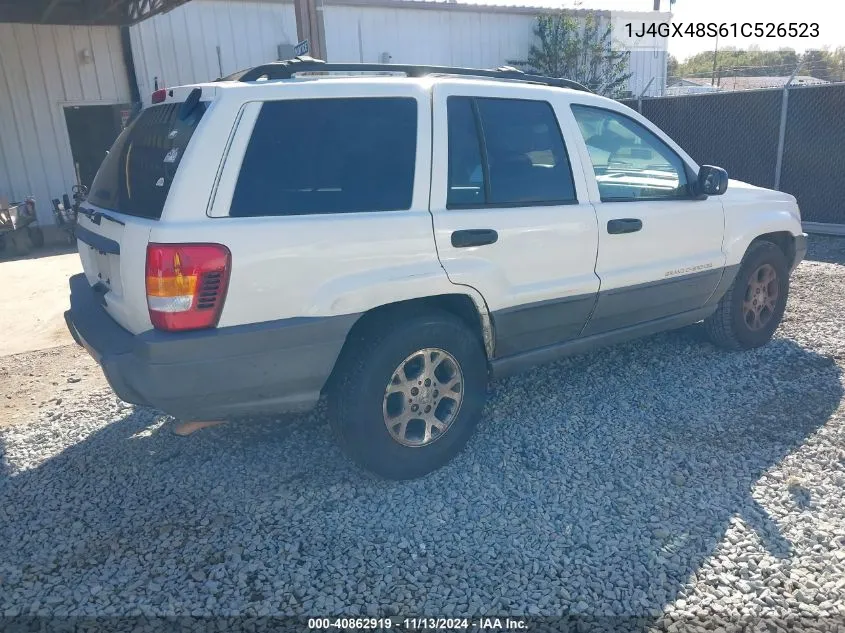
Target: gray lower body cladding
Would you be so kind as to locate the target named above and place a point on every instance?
(527, 327)
(509, 365)
(800, 251)
(230, 371)
(623, 307)
(617, 315)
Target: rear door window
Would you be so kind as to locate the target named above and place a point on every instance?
(506, 152)
(315, 156)
(467, 177)
(136, 175)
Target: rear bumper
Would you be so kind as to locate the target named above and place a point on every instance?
(224, 372)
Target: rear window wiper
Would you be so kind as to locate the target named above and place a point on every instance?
(97, 216)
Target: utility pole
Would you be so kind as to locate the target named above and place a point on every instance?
(715, 57)
(309, 26)
(782, 131)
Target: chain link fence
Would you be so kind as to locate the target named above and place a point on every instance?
(791, 139)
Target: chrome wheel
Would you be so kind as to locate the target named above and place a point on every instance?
(423, 397)
(761, 295)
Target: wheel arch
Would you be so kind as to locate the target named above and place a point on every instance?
(470, 309)
(784, 240)
(748, 223)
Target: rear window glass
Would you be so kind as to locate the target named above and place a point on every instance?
(329, 156)
(136, 174)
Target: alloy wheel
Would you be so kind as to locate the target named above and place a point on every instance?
(423, 397)
(761, 295)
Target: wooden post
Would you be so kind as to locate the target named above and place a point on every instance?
(309, 25)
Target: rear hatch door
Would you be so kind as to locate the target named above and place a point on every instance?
(126, 201)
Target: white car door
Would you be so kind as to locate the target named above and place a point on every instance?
(512, 216)
(660, 247)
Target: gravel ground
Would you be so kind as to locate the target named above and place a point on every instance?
(660, 483)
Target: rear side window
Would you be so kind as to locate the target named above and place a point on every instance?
(136, 175)
(467, 177)
(506, 152)
(329, 156)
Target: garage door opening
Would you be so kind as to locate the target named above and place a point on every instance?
(92, 129)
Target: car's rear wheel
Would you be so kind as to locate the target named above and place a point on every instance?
(409, 394)
(752, 308)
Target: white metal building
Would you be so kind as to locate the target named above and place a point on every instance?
(53, 76)
(205, 39)
(44, 70)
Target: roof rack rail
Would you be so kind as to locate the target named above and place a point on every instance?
(286, 69)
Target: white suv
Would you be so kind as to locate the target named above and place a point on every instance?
(393, 236)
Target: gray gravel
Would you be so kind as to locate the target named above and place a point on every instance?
(663, 479)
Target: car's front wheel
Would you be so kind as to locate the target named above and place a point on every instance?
(409, 393)
(752, 308)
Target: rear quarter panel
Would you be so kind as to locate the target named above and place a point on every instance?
(309, 265)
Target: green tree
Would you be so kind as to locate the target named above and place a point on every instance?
(582, 52)
(824, 63)
(837, 64)
(817, 63)
(742, 63)
(672, 66)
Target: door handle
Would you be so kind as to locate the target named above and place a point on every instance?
(624, 225)
(473, 237)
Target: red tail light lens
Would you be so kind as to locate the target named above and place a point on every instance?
(186, 285)
(159, 95)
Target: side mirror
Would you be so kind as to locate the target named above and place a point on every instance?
(712, 181)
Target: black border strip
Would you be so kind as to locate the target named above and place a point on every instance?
(94, 240)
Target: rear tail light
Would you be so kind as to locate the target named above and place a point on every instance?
(159, 96)
(186, 284)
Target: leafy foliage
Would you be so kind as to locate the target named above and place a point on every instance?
(672, 66)
(582, 51)
(741, 63)
(824, 64)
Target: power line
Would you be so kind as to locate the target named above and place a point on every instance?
(816, 65)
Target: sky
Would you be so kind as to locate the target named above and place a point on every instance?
(829, 14)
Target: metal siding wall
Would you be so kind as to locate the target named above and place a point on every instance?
(425, 36)
(645, 65)
(40, 73)
(180, 47)
(484, 39)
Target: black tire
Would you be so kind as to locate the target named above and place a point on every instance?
(36, 236)
(2, 243)
(369, 363)
(728, 326)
